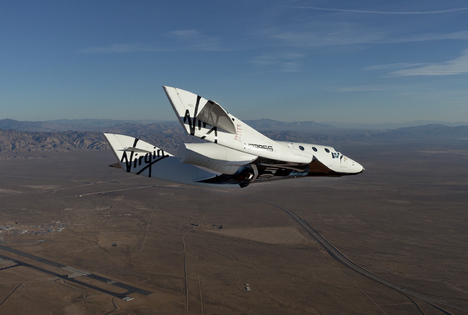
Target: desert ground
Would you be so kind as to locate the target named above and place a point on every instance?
(79, 237)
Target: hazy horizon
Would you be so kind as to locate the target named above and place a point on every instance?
(332, 124)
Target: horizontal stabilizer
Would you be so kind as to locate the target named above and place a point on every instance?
(213, 114)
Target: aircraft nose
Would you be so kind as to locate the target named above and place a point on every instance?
(362, 168)
(355, 167)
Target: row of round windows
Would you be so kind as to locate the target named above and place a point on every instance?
(313, 148)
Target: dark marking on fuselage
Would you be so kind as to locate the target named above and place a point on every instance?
(215, 129)
(256, 146)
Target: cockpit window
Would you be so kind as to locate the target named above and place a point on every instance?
(301, 147)
(326, 150)
(314, 148)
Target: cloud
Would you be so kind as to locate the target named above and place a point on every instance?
(362, 88)
(393, 66)
(450, 67)
(425, 37)
(289, 62)
(119, 48)
(186, 34)
(346, 34)
(178, 40)
(381, 12)
(313, 30)
(194, 40)
(315, 33)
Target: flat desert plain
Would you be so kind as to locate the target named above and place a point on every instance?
(79, 237)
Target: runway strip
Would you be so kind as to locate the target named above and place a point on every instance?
(75, 274)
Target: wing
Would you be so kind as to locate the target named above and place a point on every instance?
(207, 120)
(141, 158)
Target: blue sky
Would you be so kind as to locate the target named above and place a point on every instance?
(351, 61)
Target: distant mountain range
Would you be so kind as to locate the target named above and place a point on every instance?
(380, 126)
(102, 125)
(307, 126)
(70, 135)
(65, 124)
(18, 141)
(106, 125)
